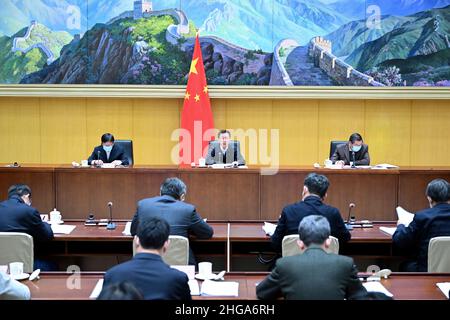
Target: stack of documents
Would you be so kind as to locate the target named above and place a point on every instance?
(445, 288)
(220, 289)
(269, 228)
(375, 286)
(388, 230)
(62, 228)
(127, 230)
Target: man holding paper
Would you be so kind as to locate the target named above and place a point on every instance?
(414, 238)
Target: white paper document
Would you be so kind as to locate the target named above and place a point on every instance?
(404, 216)
(375, 286)
(97, 289)
(269, 228)
(444, 287)
(127, 230)
(194, 287)
(62, 228)
(388, 230)
(384, 166)
(220, 288)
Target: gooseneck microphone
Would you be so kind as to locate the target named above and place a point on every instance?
(111, 225)
(348, 224)
(353, 159)
(98, 158)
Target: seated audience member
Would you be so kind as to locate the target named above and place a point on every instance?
(344, 153)
(224, 151)
(182, 217)
(108, 152)
(314, 274)
(314, 192)
(11, 289)
(147, 272)
(120, 291)
(429, 223)
(17, 215)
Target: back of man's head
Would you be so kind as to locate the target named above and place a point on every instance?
(314, 229)
(153, 233)
(438, 190)
(19, 190)
(120, 291)
(173, 187)
(317, 184)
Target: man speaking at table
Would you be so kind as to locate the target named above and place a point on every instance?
(223, 151)
(108, 152)
(355, 147)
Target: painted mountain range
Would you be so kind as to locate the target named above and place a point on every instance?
(410, 37)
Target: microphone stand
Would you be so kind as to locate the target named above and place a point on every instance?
(98, 165)
(353, 159)
(348, 224)
(111, 225)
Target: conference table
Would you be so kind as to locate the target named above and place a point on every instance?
(220, 194)
(63, 286)
(231, 241)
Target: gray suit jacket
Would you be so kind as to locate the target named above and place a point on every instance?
(343, 153)
(233, 153)
(313, 275)
(182, 218)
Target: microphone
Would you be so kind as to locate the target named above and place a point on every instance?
(111, 225)
(98, 158)
(353, 159)
(348, 224)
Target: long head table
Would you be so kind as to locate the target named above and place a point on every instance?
(227, 194)
(56, 286)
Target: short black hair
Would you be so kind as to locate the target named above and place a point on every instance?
(314, 229)
(19, 190)
(355, 137)
(173, 187)
(153, 233)
(317, 184)
(438, 190)
(107, 137)
(120, 291)
(222, 132)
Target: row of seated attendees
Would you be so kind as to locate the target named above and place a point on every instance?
(224, 151)
(311, 218)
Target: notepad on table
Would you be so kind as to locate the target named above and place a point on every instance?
(220, 289)
(127, 230)
(97, 289)
(375, 286)
(62, 228)
(388, 230)
(444, 287)
(269, 228)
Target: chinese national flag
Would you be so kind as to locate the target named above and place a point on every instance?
(197, 124)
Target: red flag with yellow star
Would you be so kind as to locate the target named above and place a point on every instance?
(197, 123)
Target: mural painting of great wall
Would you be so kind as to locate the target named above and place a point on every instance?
(248, 42)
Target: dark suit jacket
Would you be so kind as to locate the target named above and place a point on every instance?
(152, 277)
(16, 216)
(313, 275)
(427, 224)
(182, 218)
(117, 153)
(343, 153)
(292, 215)
(215, 154)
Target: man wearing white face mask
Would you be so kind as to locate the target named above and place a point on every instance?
(355, 150)
(108, 152)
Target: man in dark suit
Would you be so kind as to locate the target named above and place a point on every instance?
(354, 149)
(315, 274)
(147, 272)
(223, 151)
(17, 215)
(314, 192)
(429, 223)
(108, 152)
(182, 217)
